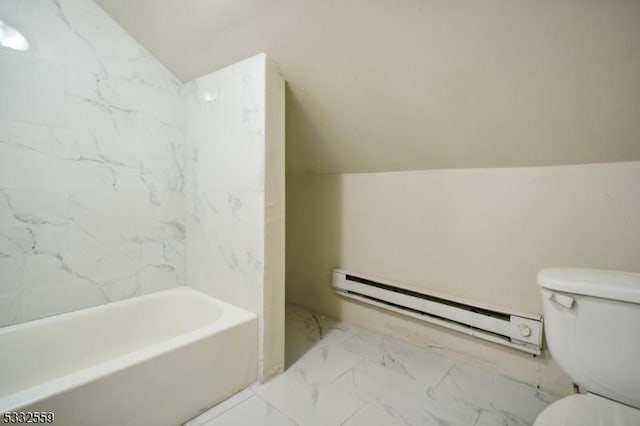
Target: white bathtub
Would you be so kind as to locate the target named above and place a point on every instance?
(158, 359)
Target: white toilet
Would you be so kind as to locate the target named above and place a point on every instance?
(592, 324)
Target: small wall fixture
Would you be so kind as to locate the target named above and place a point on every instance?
(12, 38)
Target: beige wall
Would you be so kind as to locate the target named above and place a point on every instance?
(273, 298)
(479, 234)
(388, 85)
(428, 84)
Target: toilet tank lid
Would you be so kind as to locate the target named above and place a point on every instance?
(616, 285)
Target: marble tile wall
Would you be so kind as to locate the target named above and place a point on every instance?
(92, 168)
(117, 180)
(225, 145)
(234, 120)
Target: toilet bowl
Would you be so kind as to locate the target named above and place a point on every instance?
(592, 327)
(588, 410)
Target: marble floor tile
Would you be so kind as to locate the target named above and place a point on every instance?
(253, 411)
(321, 404)
(323, 364)
(305, 330)
(368, 415)
(340, 374)
(404, 399)
(225, 405)
(413, 361)
(517, 402)
(490, 418)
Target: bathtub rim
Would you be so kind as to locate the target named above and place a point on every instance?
(233, 316)
(123, 302)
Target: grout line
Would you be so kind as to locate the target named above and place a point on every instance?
(66, 96)
(276, 409)
(478, 418)
(454, 364)
(353, 414)
(443, 376)
(347, 371)
(248, 389)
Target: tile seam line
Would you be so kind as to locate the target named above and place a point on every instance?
(230, 408)
(347, 370)
(443, 377)
(475, 423)
(364, 403)
(277, 409)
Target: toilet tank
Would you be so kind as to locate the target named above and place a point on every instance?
(592, 327)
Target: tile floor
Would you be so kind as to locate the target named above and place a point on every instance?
(340, 374)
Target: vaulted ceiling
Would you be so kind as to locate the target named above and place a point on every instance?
(378, 85)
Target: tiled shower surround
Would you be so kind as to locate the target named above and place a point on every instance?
(234, 199)
(98, 189)
(225, 182)
(91, 164)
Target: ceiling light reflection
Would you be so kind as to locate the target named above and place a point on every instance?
(12, 38)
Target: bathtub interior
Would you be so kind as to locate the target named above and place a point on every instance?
(55, 352)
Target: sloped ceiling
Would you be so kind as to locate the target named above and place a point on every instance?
(378, 85)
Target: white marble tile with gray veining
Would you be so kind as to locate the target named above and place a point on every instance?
(402, 398)
(492, 418)
(227, 218)
(67, 160)
(232, 274)
(224, 181)
(341, 374)
(33, 222)
(309, 404)
(227, 107)
(323, 364)
(33, 89)
(369, 415)
(225, 245)
(253, 411)
(412, 361)
(92, 166)
(497, 395)
(221, 407)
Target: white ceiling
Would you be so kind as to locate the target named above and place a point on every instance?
(377, 85)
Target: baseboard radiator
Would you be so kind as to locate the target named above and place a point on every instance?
(519, 331)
